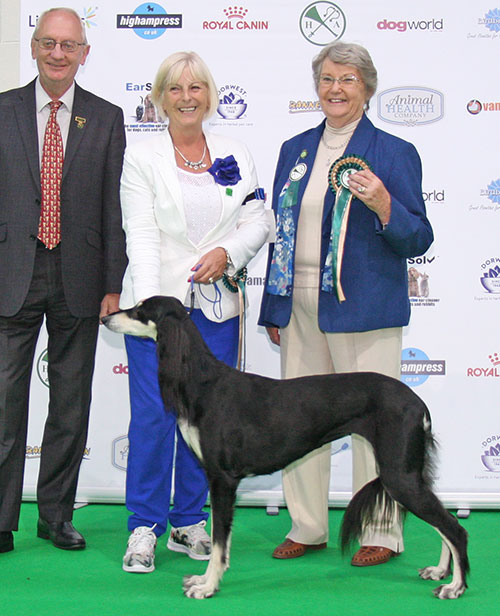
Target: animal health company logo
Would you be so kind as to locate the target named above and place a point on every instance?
(410, 106)
(490, 279)
(149, 21)
(475, 107)
(416, 367)
(322, 23)
(415, 25)
(419, 282)
(489, 370)
(119, 452)
(235, 18)
(490, 457)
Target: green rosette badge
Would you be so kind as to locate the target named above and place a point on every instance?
(338, 180)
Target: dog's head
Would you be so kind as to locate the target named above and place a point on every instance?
(144, 318)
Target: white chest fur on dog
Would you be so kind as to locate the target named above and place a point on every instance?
(192, 437)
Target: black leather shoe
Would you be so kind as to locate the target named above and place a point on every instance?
(6, 541)
(62, 534)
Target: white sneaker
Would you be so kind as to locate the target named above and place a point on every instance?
(191, 540)
(140, 554)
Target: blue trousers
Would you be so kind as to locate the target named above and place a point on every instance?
(152, 432)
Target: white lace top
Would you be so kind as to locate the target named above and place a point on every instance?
(202, 203)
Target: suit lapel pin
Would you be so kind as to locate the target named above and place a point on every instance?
(80, 122)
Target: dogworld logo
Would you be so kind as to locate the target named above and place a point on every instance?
(419, 25)
(149, 21)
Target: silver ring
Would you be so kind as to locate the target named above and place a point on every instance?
(210, 280)
(361, 189)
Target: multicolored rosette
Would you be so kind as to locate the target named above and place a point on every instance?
(338, 180)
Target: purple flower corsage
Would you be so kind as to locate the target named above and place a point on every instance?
(225, 171)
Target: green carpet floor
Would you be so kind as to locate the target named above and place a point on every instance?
(37, 579)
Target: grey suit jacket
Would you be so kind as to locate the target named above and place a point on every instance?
(92, 241)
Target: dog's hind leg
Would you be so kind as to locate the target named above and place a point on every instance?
(442, 569)
(422, 502)
(457, 586)
(222, 497)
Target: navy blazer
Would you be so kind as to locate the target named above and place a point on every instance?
(93, 256)
(374, 271)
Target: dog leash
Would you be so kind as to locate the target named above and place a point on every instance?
(236, 284)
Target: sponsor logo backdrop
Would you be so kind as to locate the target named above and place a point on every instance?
(435, 90)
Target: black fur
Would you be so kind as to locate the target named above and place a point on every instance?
(252, 425)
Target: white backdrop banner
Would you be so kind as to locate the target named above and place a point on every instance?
(436, 90)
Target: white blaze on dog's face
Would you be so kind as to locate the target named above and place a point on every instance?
(131, 322)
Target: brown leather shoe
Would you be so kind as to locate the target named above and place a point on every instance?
(369, 555)
(292, 549)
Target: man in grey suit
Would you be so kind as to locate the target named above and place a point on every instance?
(71, 283)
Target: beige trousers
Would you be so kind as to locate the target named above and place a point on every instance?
(306, 350)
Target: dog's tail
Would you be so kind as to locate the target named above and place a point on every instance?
(370, 505)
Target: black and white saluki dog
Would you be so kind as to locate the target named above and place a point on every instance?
(241, 424)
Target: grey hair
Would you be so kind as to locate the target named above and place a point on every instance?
(65, 10)
(352, 54)
(170, 71)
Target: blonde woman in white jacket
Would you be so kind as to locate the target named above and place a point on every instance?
(192, 213)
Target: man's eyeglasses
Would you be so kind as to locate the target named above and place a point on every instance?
(49, 44)
(345, 81)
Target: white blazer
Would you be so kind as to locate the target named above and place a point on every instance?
(160, 253)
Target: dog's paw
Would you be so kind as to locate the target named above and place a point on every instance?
(449, 591)
(433, 573)
(196, 587)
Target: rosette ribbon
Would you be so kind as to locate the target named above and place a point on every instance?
(280, 279)
(338, 180)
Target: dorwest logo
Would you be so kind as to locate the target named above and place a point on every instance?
(236, 19)
(422, 25)
(491, 453)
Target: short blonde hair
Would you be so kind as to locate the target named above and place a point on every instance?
(170, 71)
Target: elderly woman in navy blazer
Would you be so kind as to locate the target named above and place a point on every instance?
(192, 215)
(336, 295)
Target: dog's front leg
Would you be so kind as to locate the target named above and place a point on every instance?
(205, 586)
(222, 495)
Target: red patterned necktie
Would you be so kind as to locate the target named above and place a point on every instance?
(49, 231)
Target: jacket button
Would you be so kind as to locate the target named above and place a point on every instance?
(33, 237)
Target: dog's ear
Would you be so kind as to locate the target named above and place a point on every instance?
(160, 307)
